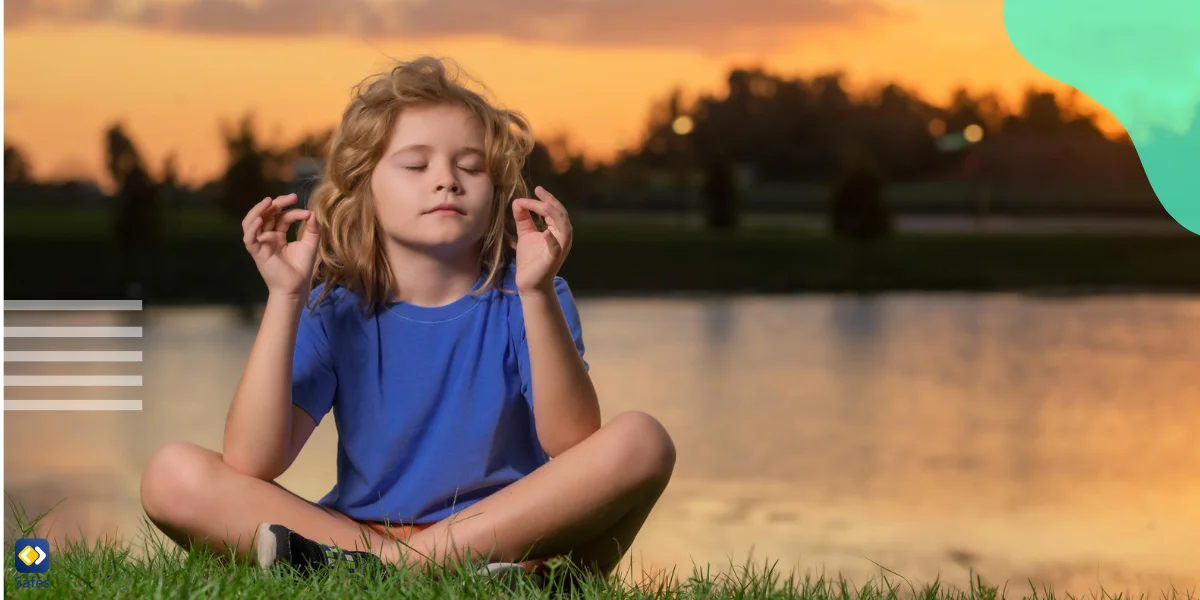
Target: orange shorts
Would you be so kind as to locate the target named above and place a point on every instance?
(394, 531)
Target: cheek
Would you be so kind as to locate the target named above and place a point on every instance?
(481, 191)
(482, 200)
(392, 196)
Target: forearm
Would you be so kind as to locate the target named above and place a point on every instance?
(565, 407)
(564, 400)
(259, 425)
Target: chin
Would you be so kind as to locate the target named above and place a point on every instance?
(439, 244)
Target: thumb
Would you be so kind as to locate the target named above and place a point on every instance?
(312, 230)
(523, 218)
(552, 243)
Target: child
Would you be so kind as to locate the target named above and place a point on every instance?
(444, 344)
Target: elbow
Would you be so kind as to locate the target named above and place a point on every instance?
(262, 471)
(250, 464)
(566, 438)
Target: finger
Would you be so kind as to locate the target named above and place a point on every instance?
(532, 205)
(284, 222)
(555, 209)
(255, 211)
(311, 230)
(553, 243)
(277, 205)
(250, 233)
(284, 201)
(272, 237)
(521, 215)
(538, 207)
(268, 215)
(555, 229)
(549, 198)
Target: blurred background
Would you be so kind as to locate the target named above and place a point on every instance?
(906, 304)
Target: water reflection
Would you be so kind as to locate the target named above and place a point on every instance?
(1025, 438)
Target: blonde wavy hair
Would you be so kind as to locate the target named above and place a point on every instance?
(350, 252)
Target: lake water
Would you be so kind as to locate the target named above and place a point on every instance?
(1039, 439)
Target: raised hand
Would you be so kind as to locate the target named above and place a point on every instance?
(286, 267)
(540, 254)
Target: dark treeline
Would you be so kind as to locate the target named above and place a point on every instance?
(766, 144)
(794, 129)
(764, 127)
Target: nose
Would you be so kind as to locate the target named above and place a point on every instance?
(446, 181)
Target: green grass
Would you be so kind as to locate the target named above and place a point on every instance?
(114, 569)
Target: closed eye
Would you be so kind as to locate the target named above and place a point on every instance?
(415, 168)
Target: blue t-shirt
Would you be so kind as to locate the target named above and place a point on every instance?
(433, 405)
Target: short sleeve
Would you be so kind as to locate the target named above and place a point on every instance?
(571, 312)
(313, 380)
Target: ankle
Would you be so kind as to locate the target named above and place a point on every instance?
(398, 553)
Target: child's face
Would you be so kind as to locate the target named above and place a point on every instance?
(432, 190)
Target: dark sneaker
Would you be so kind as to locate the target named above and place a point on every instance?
(278, 545)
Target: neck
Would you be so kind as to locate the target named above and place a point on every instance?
(425, 279)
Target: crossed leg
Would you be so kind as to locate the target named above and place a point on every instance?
(588, 504)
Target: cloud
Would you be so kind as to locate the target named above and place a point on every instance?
(269, 17)
(704, 25)
(20, 12)
(17, 13)
(693, 24)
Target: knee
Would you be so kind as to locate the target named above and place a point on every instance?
(645, 450)
(176, 479)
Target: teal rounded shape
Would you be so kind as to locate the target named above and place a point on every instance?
(1140, 60)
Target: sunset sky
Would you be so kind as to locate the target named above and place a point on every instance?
(172, 70)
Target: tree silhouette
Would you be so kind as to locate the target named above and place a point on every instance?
(122, 154)
(720, 194)
(985, 110)
(137, 224)
(170, 172)
(253, 173)
(858, 210)
(793, 129)
(16, 166)
(137, 210)
(562, 170)
(312, 145)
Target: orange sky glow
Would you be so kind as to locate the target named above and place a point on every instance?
(64, 82)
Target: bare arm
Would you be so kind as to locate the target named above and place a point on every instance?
(263, 433)
(261, 439)
(565, 406)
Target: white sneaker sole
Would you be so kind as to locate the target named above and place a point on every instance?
(499, 568)
(265, 549)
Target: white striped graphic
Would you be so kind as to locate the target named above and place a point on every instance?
(92, 405)
(72, 380)
(105, 305)
(72, 356)
(72, 332)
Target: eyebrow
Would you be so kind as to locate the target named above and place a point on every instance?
(467, 150)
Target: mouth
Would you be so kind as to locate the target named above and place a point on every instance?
(447, 208)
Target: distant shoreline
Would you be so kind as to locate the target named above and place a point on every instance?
(647, 259)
